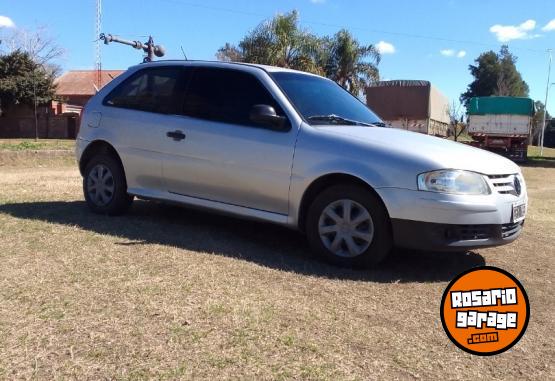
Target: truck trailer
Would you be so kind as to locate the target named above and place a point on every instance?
(501, 125)
(549, 138)
(410, 105)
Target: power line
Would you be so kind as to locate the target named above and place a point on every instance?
(210, 7)
(371, 30)
(410, 35)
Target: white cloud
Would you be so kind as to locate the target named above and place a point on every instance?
(6, 22)
(549, 26)
(452, 53)
(385, 47)
(506, 33)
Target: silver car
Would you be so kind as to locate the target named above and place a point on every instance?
(294, 149)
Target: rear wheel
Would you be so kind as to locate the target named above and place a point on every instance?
(348, 226)
(105, 187)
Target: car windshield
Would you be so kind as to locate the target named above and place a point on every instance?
(321, 101)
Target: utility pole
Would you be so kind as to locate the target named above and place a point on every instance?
(545, 104)
(35, 105)
(148, 47)
(98, 52)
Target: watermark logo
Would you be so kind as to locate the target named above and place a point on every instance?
(485, 311)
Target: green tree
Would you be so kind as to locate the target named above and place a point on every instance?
(537, 122)
(495, 74)
(22, 80)
(510, 82)
(350, 64)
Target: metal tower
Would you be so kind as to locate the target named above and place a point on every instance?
(98, 52)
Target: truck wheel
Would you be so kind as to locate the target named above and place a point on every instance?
(348, 226)
(105, 187)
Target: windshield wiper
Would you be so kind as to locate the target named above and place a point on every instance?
(338, 119)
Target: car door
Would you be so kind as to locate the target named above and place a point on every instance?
(225, 157)
(137, 114)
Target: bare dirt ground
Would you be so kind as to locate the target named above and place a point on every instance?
(169, 293)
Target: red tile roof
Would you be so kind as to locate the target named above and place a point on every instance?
(82, 82)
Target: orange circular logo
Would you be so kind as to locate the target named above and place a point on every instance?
(485, 311)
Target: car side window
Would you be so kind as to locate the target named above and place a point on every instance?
(226, 96)
(158, 90)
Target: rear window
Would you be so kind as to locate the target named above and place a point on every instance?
(157, 90)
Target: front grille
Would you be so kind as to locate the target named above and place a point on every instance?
(458, 233)
(505, 184)
(468, 232)
(508, 230)
(480, 232)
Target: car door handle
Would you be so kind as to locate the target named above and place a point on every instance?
(176, 135)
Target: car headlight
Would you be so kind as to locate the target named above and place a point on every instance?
(453, 181)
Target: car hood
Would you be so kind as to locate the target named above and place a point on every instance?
(432, 152)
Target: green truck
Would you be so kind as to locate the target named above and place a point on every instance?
(501, 124)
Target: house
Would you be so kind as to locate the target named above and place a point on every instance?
(59, 119)
(410, 105)
(76, 87)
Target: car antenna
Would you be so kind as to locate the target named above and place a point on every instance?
(184, 55)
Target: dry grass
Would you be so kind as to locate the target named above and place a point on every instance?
(534, 151)
(547, 160)
(44, 153)
(169, 293)
(32, 144)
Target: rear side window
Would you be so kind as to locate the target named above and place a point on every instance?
(225, 96)
(159, 90)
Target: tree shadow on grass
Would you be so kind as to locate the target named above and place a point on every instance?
(538, 161)
(265, 244)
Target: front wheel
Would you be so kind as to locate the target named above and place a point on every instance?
(348, 226)
(105, 187)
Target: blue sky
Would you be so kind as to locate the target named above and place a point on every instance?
(434, 40)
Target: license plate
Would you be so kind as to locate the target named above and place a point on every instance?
(519, 212)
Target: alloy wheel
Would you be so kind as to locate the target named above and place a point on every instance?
(100, 185)
(346, 228)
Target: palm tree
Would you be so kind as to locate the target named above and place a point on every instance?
(281, 42)
(350, 64)
(278, 42)
(229, 53)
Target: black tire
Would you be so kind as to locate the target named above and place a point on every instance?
(381, 242)
(119, 201)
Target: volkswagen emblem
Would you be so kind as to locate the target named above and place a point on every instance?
(517, 186)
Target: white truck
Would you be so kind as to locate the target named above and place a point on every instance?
(501, 125)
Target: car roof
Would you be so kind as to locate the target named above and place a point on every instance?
(223, 64)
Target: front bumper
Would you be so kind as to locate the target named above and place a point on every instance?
(450, 237)
(441, 208)
(447, 222)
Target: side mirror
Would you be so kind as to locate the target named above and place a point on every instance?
(266, 115)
